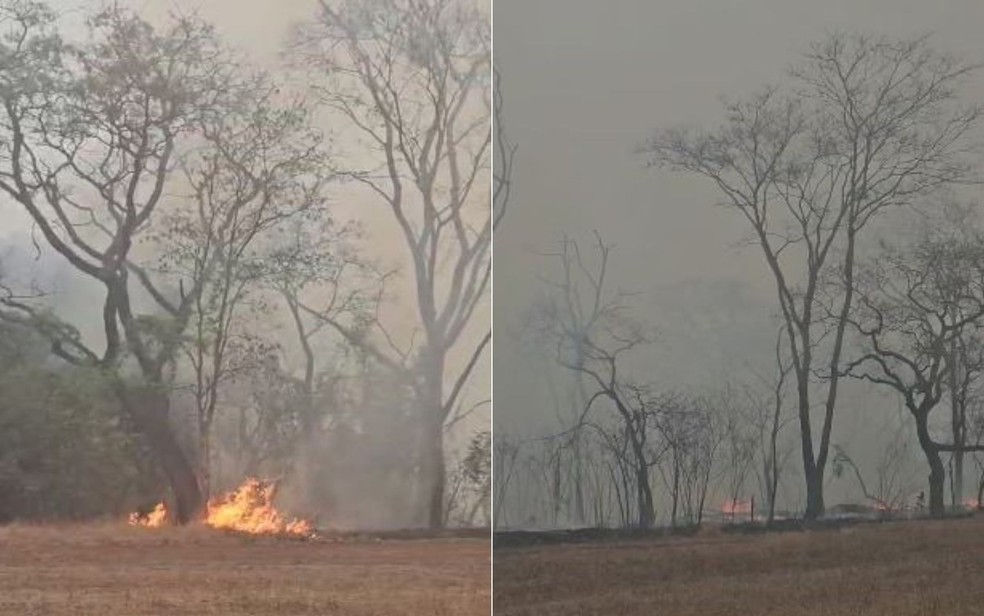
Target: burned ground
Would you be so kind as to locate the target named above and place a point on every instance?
(115, 569)
(924, 568)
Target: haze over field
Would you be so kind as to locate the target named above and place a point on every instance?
(586, 85)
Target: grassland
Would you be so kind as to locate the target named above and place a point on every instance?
(914, 568)
(112, 569)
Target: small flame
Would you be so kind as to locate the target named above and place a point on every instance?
(155, 519)
(731, 507)
(249, 509)
(971, 503)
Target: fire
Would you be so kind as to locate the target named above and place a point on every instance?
(249, 509)
(155, 519)
(732, 507)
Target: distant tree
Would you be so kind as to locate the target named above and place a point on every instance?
(587, 330)
(504, 455)
(740, 442)
(892, 488)
(767, 401)
(692, 434)
(866, 124)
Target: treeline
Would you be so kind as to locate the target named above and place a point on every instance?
(246, 326)
(827, 170)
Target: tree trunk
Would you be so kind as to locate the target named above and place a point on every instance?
(814, 494)
(149, 407)
(206, 465)
(937, 472)
(958, 480)
(958, 423)
(434, 475)
(676, 495)
(812, 474)
(980, 492)
(645, 497)
(430, 443)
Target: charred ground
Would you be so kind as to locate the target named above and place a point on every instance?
(925, 568)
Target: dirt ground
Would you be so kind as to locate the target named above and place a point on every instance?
(112, 569)
(914, 568)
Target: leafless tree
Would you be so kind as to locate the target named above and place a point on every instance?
(766, 414)
(741, 439)
(411, 79)
(504, 456)
(867, 124)
(913, 303)
(587, 330)
(892, 489)
(692, 435)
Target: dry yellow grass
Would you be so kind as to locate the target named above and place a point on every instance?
(900, 569)
(102, 570)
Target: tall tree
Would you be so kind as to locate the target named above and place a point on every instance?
(99, 142)
(261, 170)
(866, 124)
(411, 79)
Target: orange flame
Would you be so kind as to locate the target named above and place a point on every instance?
(155, 519)
(249, 509)
(731, 507)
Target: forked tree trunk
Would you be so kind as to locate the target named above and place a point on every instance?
(814, 494)
(149, 409)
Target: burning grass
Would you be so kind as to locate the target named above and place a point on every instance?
(248, 509)
(108, 569)
(912, 568)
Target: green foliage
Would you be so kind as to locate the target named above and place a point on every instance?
(64, 450)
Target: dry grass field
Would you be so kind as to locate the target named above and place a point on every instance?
(102, 570)
(916, 568)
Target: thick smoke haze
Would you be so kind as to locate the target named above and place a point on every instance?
(351, 491)
(586, 84)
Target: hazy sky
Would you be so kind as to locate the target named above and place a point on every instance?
(585, 82)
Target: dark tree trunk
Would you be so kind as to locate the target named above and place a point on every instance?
(149, 409)
(937, 472)
(644, 494)
(430, 446)
(814, 494)
(812, 474)
(958, 424)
